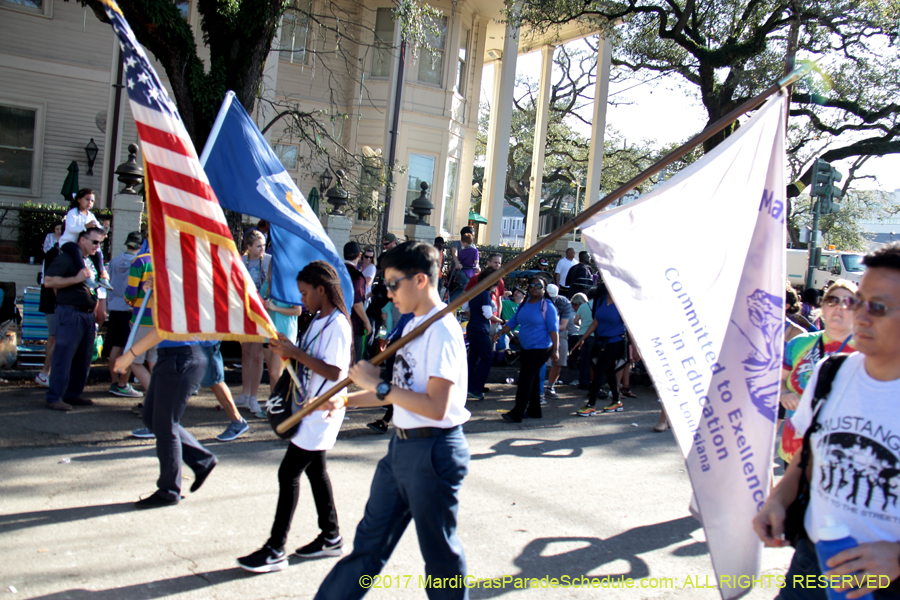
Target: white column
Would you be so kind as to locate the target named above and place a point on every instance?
(598, 128)
(467, 164)
(498, 138)
(540, 143)
(490, 154)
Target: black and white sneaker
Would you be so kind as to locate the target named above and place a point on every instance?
(322, 547)
(264, 560)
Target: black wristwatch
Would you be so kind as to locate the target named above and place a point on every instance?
(383, 389)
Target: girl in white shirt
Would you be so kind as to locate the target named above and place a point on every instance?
(323, 359)
(78, 219)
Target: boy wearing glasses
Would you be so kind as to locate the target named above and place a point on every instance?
(420, 477)
(855, 472)
(75, 303)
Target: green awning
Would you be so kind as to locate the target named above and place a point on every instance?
(474, 216)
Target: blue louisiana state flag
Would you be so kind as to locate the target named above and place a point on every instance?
(248, 178)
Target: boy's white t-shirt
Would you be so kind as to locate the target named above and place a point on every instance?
(856, 453)
(317, 430)
(439, 352)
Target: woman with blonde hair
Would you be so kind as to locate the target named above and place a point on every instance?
(257, 263)
(803, 352)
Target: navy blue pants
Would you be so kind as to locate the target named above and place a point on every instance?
(418, 480)
(177, 373)
(72, 357)
(481, 357)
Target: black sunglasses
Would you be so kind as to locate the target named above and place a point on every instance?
(95, 242)
(393, 285)
(876, 309)
(536, 284)
(369, 256)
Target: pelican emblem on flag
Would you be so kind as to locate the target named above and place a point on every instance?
(764, 311)
(278, 186)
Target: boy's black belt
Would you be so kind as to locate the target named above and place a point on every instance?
(83, 309)
(424, 432)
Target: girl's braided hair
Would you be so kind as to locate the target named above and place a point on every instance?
(320, 273)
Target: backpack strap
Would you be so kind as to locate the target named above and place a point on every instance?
(827, 372)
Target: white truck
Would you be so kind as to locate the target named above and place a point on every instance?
(832, 265)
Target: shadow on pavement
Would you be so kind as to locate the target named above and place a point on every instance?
(40, 518)
(525, 447)
(595, 553)
(153, 589)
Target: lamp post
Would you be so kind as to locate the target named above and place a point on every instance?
(337, 196)
(324, 181)
(91, 151)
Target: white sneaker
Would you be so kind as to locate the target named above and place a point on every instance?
(253, 405)
(42, 380)
(242, 401)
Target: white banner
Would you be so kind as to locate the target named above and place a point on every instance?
(696, 269)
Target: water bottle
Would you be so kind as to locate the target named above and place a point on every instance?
(834, 538)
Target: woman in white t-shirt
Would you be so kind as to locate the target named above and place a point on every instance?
(368, 269)
(52, 238)
(323, 359)
(257, 262)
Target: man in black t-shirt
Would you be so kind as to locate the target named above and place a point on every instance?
(580, 278)
(75, 304)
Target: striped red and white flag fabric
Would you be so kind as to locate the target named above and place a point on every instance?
(202, 289)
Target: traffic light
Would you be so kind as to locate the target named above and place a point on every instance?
(834, 192)
(822, 187)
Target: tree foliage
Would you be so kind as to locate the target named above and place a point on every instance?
(237, 39)
(844, 229)
(731, 50)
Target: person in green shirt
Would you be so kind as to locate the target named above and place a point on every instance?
(508, 308)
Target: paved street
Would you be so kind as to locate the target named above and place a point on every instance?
(564, 496)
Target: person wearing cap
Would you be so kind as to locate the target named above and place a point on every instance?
(119, 326)
(388, 242)
(566, 316)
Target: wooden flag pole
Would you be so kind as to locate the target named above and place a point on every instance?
(558, 233)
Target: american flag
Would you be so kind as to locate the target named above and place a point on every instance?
(202, 289)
